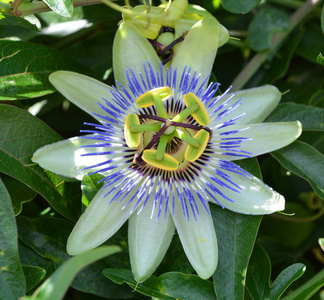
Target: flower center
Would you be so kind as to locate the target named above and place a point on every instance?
(154, 134)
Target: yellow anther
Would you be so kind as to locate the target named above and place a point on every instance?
(200, 115)
(192, 153)
(133, 139)
(147, 100)
(167, 162)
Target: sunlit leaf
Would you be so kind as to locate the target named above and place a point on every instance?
(25, 67)
(320, 59)
(62, 7)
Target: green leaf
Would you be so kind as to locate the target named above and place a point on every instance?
(62, 7)
(19, 193)
(240, 7)
(25, 67)
(320, 59)
(265, 24)
(308, 289)
(279, 64)
(29, 257)
(33, 276)
(322, 19)
(306, 293)
(321, 243)
(9, 20)
(55, 287)
(305, 161)
(258, 276)
(251, 165)
(312, 42)
(90, 185)
(236, 234)
(46, 235)
(172, 285)
(310, 117)
(12, 280)
(20, 136)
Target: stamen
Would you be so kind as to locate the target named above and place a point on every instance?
(192, 153)
(166, 163)
(147, 100)
(201, 115)
(133, 139)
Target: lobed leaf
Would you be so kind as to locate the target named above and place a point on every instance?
(168, 286)
(258, 276)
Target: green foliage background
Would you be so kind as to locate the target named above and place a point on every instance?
(277, 256)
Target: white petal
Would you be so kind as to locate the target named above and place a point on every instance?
(131, 50)
(81, 90)
(64, 157)
(100, 220)
(198, 239)
(265, 137)
(198, 50)
(257, 103)
(255, 198)
(148, 241)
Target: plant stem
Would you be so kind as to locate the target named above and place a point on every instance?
(255, 63)
(39, 6)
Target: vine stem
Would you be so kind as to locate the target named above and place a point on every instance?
(255, 63)
(40, 6)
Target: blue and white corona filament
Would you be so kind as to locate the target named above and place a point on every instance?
(163, 142)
